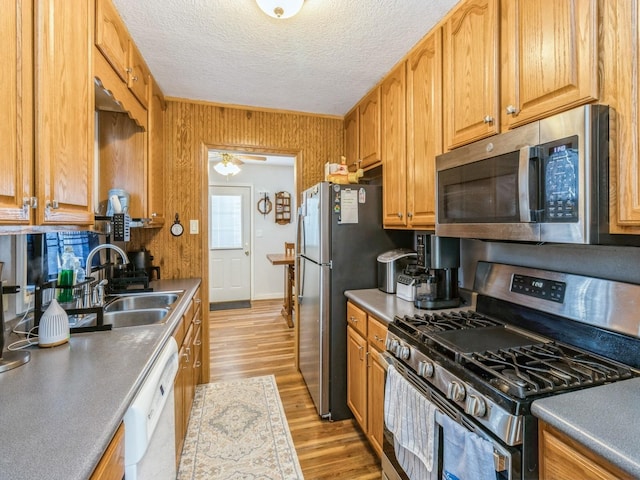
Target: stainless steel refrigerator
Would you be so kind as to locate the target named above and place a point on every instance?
(340, 235)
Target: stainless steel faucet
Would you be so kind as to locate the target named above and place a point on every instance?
(104, 246)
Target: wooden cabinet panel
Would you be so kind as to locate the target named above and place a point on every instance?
(393, 123)
(424, 128)
(138, 80)
(357, 376)
(377, 333)
(111, 466)
(357, 319)
(64, 126)
(470, 72)
(369, 128)
(112, 37)
(549, 57)
(562, 458)
(351, 133)
(375, 400)
(155, 170)
(16, 114)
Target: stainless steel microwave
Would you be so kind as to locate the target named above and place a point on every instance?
(547, 181)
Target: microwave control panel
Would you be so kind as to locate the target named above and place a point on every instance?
(561, 180)
(538, 287)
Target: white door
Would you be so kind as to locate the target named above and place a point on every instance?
(229, 237)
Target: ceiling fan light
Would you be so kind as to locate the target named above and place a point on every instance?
(226, 168)
(280, 8)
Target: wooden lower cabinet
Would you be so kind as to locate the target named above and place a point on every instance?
(111, 465)
(188, 335)
(366, 375)
(562, 458)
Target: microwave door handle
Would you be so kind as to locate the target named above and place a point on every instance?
(523, 184)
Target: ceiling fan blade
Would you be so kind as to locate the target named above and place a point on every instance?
(252, 157)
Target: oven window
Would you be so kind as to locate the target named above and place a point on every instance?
(481, 192)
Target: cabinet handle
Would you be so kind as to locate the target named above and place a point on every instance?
(197, 321)
(378, 339)
(399, 214)
(488, 119)
(154, 215)
(353, 319)
(185, 357)
(197, 343)
(134, 78)
(198, 364)
(409, 215)
(52, 204)
(360, 348)
(129, 69)
(511, 110)
(197, 300)
(367, 361)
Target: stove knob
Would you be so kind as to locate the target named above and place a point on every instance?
(456, 392)
(475, 406)
(405, 352)
(425, 369)
(392, 345)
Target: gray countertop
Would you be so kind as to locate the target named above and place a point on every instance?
(604, 419)
(61, 409)
(385, 306)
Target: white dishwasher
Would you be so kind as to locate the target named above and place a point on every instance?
(149, 424)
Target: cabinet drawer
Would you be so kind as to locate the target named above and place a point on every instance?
(357, 318)
(377, 333)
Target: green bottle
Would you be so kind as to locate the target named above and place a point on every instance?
(66, 276)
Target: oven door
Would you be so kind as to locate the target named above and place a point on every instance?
(490, 189)
(506, 459)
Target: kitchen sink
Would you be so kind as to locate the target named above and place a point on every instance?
(141, 301)
(135, 318)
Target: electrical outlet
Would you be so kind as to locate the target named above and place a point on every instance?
(193, 226)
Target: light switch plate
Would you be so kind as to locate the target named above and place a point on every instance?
(193, 226)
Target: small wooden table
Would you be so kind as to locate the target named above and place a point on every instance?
(289, 262)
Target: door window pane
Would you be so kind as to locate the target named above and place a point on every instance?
(226, 221)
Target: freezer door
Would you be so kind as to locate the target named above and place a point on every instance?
(313, 308)
(315, 226)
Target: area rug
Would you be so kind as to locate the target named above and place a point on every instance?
(238, 430)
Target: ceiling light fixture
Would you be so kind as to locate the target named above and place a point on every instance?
(280, 8)
(226, 168)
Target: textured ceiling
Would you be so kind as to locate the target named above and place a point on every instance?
(321, 61)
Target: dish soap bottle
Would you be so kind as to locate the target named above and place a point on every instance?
(66, 276)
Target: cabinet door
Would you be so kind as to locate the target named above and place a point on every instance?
(16, 117)
(357, 376)
(138, 80)
(375, 405)
(351, 149)
(393, 122)
(424, 128)
(369, 128)
(155, 139)
(112, 37)
(111, 465)
(562, 458)
(549, 57)
(470, 75)
(64, 125)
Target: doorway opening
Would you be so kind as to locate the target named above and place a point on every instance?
(241, 231)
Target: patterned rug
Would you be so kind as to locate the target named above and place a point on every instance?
(238, 430)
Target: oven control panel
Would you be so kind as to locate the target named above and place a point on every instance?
(538, 287)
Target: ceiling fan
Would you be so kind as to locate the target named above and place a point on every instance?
(228, 163)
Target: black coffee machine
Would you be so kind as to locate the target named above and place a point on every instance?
(437, 287)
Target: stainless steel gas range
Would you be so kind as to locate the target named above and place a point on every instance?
(532, 334)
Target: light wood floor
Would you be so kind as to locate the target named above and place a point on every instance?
(256, 341)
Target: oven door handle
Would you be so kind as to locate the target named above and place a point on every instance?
(527, 155)
(387, 358)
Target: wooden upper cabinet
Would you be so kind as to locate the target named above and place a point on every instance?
(470, 72)
(424, 127)
(64, 117)
(393, 131)
(351, 140)
(139, 73)
(112, 37)
(155, 139)
(549, 57)
(369, 128)
(16, 114)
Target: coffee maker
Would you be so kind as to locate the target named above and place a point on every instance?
(439, 257)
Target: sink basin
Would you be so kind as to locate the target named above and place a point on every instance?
(136, 318)
(141, 301)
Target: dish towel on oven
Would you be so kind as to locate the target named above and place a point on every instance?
(411, 419)
(466, 455)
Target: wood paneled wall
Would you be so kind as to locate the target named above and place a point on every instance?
(189, 129)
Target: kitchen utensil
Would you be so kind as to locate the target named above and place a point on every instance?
(54, 326)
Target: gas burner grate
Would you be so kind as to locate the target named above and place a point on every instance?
(542, 368)
(442, 322)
